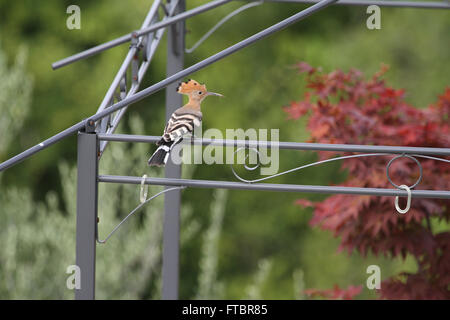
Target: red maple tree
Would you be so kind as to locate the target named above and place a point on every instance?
(347, 108)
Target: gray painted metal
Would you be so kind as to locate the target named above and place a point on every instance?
(164, 83)
(127, 37)
(86, 213)
(131, 52)
(216, 57)
(152, 44)
(221, 22)
(382, 3)
(91, 51)
(287, 145)
(275, 187)
(171, 231)
(88, 145)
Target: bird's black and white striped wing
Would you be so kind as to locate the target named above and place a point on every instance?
(181, 123)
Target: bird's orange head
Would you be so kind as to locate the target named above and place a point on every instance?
(195, 90)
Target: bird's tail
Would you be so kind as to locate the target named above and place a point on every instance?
(159, 158)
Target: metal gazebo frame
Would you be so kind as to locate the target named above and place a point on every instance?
(95, 132)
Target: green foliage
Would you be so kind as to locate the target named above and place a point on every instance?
(15, 95)
(39, 238)
(128, 265)
(254, 291)
(209, 285)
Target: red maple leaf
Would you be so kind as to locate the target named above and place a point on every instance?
(347, 108)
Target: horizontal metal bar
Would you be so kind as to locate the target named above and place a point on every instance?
(287, 145)
(164, 83)
(382, 3)
(274, 187)
(128, 138)
(127, 37)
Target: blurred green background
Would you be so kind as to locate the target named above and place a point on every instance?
(234, 244)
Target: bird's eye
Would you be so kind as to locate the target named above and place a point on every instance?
(199, 92)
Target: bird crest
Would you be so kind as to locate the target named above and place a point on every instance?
(189, 86)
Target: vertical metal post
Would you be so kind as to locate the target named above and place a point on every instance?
(171, 232)
(87, 165)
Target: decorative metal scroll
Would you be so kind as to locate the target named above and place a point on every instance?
(258, 164)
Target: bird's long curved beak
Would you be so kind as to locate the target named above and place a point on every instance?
(214, 94)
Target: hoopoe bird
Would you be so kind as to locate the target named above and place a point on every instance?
(182, 121)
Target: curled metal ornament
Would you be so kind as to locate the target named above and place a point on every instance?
(301, 167)
(406, 156)
(248, 168)
(413, 157)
